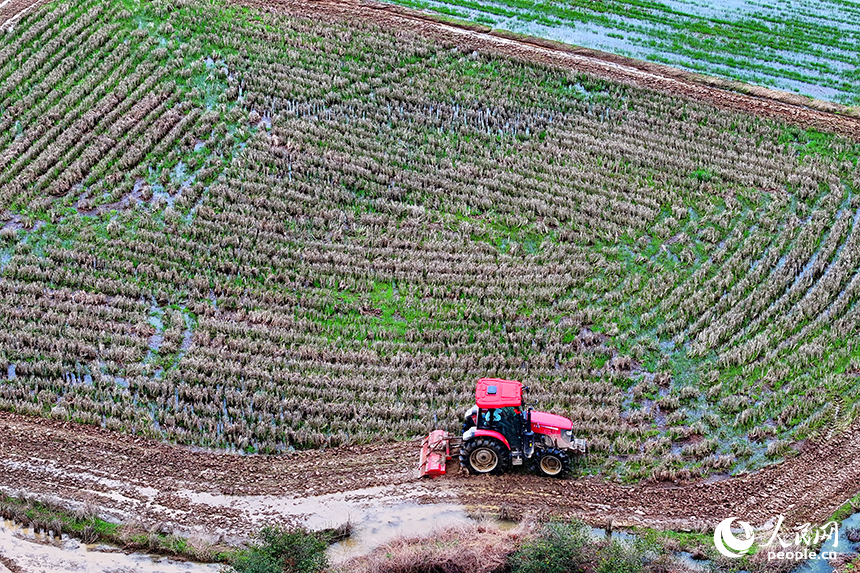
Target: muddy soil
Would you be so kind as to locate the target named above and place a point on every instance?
(209, 493)
(13, 10)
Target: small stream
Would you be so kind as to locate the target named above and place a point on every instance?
(42, 553)
(838, 545)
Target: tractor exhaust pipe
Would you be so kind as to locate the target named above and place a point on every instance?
(528, 436)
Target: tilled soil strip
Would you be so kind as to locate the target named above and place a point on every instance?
(13, 10)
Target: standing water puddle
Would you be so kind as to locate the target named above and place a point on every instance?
(39, 553)
(839, 544)
(383, 524)
(377, 514)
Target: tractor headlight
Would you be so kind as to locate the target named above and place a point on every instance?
(567, 435)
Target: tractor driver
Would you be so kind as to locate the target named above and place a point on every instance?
(493, 415)
(508, 420)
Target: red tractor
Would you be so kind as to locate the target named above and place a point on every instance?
(497, 434)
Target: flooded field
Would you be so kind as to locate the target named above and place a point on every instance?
(802, 47)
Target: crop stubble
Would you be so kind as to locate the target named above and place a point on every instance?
(301, 282)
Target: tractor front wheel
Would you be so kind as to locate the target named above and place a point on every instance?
(484, 456)
(552, 463)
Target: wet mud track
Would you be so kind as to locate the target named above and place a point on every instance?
(211, 494)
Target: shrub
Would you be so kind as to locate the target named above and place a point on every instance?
(621, 557)
(283, 551)
(556, 548)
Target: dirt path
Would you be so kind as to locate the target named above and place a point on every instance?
(216, 493)
(783, 106)
(13, 10)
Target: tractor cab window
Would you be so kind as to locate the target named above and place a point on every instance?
(489, 418)
(507, 421)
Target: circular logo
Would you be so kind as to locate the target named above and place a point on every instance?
(729, 545)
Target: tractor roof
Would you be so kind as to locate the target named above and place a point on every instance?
(498, 393)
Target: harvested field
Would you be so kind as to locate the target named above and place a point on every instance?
(205, 244)
(723, 93)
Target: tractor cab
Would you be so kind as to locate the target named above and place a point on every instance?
(499, 408)
(497, 403)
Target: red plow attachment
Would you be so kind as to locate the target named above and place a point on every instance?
(435, 453)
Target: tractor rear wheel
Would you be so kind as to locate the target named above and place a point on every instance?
(484, 456)
(552, 462)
